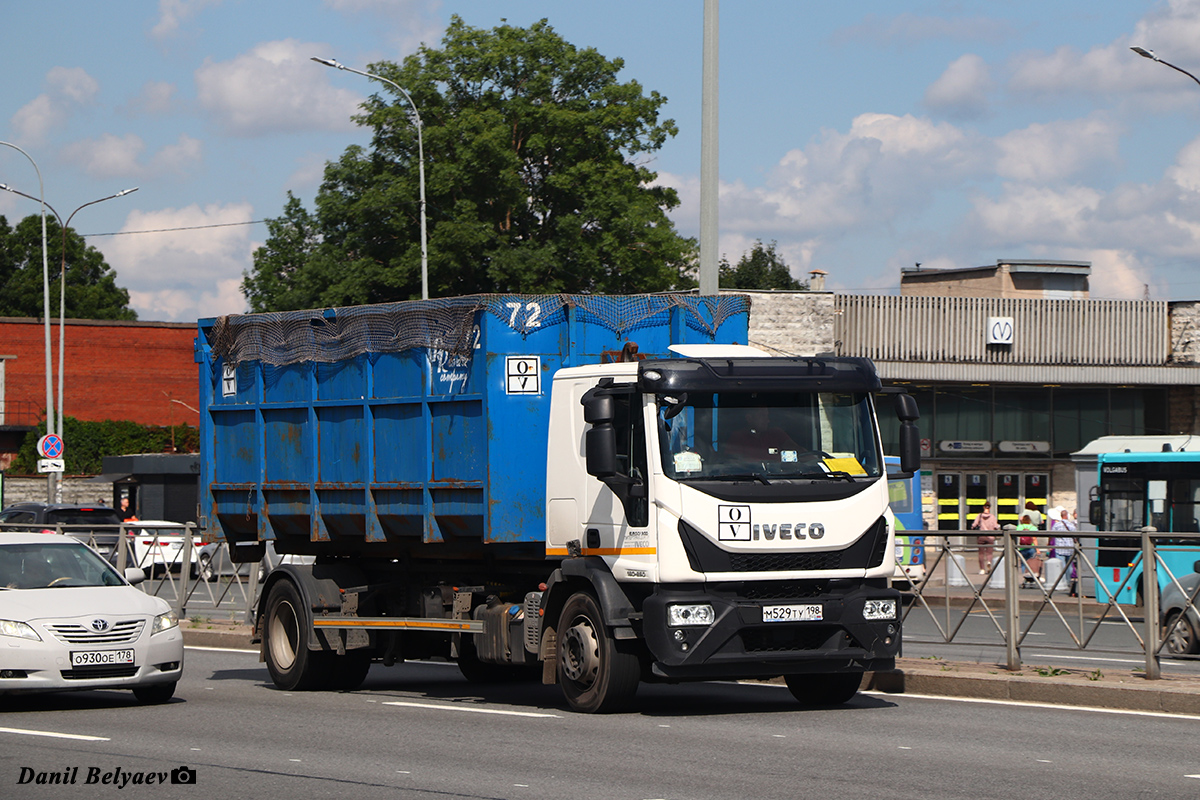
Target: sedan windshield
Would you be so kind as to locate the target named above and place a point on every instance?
(763, 436)
(53, 564)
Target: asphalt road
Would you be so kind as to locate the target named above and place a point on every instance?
(420, 731)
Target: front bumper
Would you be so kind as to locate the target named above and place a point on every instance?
(739, 644)
(45, 666)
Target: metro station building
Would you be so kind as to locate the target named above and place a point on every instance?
(1014, 368)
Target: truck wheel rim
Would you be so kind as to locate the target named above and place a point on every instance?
(284, 636)
(581, 653)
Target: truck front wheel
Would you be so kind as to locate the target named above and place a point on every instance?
(595, 676)
(291, 664)
(824, 689)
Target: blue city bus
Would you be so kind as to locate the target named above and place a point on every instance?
(904, 499)
(1159, 489)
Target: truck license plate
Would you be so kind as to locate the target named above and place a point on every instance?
(96, 658)
(804, 612)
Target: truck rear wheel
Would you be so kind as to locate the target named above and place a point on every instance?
(285, 631)
(595, 676)
(346, 673)
(824, 688)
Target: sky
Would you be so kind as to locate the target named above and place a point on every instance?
(861, 137)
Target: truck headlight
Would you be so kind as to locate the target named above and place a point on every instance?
(164, 622)
(879, 609)
(690, 614)
(11, 627)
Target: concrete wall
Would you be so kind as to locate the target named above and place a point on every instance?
(76, 491)
(792, 323)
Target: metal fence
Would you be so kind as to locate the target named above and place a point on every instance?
(194, 576)
(1017, 588)
(209, 585)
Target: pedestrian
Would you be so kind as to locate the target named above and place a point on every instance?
(985, 521)
(1035, 516)
(1063, 546)
(1027, 542)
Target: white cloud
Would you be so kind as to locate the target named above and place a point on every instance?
(173, 13)
(1055, 150)
(184, 274)
(411, 22)
(113, 156)
(962, 90)
(154, 98)
(66, 88)
(276, 88)
(1185, 172)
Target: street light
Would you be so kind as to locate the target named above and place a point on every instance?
(329, 62)
(51, 480)
(62, 300)
(1144, 53)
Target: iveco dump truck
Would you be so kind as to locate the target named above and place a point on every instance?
(597, 490)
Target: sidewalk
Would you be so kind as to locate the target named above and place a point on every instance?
(1115, 689)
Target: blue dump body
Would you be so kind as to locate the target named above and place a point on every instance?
(369, 430)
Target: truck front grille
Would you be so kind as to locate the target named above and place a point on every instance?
(705, 556)
(789, 638)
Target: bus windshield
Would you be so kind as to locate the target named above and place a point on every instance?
(768, 435)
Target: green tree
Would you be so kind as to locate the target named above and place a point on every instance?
(535, 179)
(761, 268)
(91, 291)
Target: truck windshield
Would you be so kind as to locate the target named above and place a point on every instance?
(768, 435)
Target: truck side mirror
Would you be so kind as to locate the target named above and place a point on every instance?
(600, 443)
(910, 448)
(910, 437)
(906, 408)
(598, 409)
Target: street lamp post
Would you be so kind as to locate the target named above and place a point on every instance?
(62, 303)
(329, 62)
(51, 480)
(1144, 53)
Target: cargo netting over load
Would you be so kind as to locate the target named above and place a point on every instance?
(330, 335)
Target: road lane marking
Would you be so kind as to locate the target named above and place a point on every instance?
(502, 712)
(1029, 704)
(56, 735)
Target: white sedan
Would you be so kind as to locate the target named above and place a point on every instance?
(69, 622)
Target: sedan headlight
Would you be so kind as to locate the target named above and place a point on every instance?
(879, 609)
(21, 630)
(690, 614)
(164, 622)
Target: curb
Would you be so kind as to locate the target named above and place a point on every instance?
(1129, 692)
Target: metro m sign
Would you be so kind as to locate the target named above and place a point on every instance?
(999, 330)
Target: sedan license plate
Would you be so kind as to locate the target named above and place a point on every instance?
(801, 612)
(101, 658)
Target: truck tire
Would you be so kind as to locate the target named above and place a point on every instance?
(292, 665)
(346, 673)
(824, 688)
(595, 676)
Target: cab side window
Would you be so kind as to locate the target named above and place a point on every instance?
(631, 457)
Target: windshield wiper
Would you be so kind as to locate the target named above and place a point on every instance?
(747, 476)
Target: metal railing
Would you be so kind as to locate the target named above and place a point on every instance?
(185, 570)
(210, 583)
(1018, 588)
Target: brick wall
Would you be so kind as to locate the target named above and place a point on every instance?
(114, 370)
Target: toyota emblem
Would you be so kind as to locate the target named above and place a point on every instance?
(99, 625)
